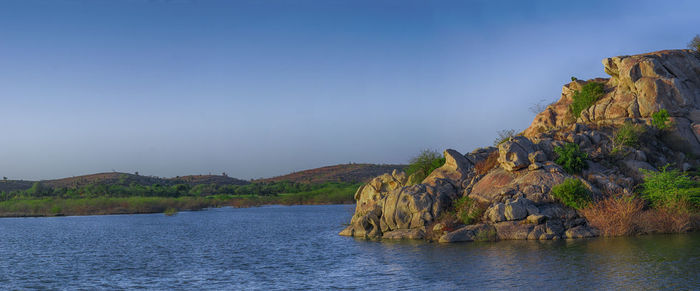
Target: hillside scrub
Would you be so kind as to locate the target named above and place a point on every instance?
(503, 136)
(660, 120)
(694, 43)
(468, 211)
(629, 135)
(423, 164)
(587, 96)
(571, 158)
(670, 188)
(573, 193)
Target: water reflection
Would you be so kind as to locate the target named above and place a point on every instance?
(298, 248)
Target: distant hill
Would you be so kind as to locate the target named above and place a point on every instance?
(351, 173)
(121, 178)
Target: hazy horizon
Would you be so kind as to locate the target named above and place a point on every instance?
(265, 88)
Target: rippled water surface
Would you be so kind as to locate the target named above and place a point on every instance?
(297, 247)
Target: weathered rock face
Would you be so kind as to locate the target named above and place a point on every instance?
(370, 201)
(514, 189)
(639, 86)
(500, 185)
(387, 206)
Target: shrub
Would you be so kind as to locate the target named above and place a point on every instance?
(670, 188)
(503, 136)
(423, 164)
(614, 216)
(660, 119)
(587, 96)
(573, 193)
(667, 219)
(468, 211)
(571, 158)
(628, 135)
(694, 44)
(484, 166)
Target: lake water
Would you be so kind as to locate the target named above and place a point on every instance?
(297, 247)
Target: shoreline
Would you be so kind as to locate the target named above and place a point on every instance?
(146, 205)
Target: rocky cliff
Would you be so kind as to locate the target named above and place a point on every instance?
(513, 181)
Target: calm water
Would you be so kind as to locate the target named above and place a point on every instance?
(297, 247)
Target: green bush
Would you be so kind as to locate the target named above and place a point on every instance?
(467, 210)
(571, 158)
(503, 136)
(694, 44)
(587, 96)
(573, 193)
(423, 164)
(628, 135)
(669, 187)
(660, 119)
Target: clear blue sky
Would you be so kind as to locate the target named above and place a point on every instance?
(263, 88)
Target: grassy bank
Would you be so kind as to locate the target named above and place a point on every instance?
(54, 206)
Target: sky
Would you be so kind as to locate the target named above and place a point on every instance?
(264, 88)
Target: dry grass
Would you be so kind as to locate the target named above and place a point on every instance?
(487, 164)
(668, 219)
(626, 216)
(614, 216)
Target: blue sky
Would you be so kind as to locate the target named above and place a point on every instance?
(263, 88)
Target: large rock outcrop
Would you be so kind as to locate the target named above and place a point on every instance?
(639, 86)
(512, 183)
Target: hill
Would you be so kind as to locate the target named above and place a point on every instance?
(349, 173)
(613, 156)
(113, 178)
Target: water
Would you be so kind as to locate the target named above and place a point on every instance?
(297, 247)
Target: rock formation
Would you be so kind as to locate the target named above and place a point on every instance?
(516, 191)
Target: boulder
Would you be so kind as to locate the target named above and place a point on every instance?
(513, 154)
(475, 232)
(519, 208)
(582, 232)
(496, 213)
(535, 218)
(416, 233)
(415, 206)
(512, 230)
(500, 185)
(370, 201)
(455, 169)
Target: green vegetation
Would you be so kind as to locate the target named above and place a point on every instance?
(660, 119)
(571, 158)
(122, 199)
(423, 164)
(504, 136)
(670, 188)
(587, 96)
(628, 135)
(694, 44)
(467, 210)
(573, 193)
(170, 211)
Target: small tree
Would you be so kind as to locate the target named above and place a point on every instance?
(628, 135)
(587, 96)
(503, 136)
(423, 164)
(694, 44)
(571, 158)
(660, 119)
